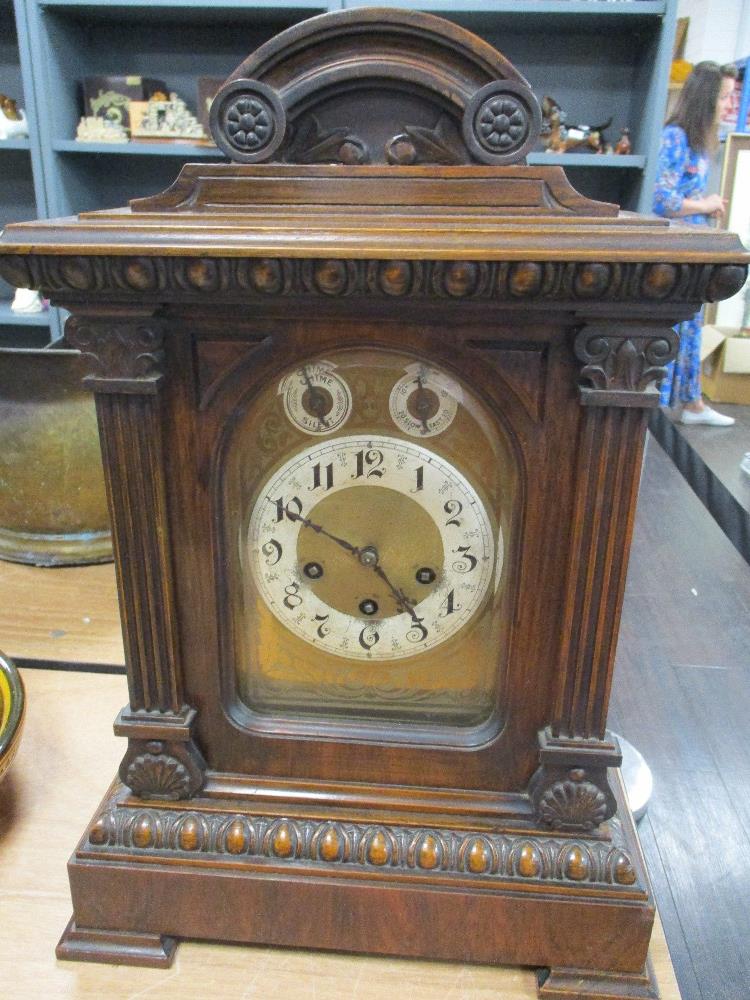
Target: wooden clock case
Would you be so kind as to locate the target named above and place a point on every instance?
(378, 197)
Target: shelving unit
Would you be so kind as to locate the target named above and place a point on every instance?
(597, 58)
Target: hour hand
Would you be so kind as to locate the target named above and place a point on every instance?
(319, 529)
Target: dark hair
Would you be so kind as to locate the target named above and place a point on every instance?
(695, 111)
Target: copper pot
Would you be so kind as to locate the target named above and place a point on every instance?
(53, 507)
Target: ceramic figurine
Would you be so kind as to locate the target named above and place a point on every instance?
(28, 300)
(624, 145)
(94, 129)
(557, 137)
(164, 119)
(13, 124)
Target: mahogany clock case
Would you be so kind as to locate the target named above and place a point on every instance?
(372, 402)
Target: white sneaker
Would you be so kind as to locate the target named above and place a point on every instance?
(706, 416)
(745, 463)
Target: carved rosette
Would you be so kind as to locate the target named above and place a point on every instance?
(624, 363)
(162, 279)
(327, 845)
(123, 355)
(168, 771)
(247, 121)
(502, 122)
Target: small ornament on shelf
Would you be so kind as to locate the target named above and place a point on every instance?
(27, 301)
(624, 146)
(13, 124)
(92, 128)
(164, 118)
(557, 137)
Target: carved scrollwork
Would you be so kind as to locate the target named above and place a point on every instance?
(328, 844)
(248, 121)
(313, 144)
(417, 144)
(123, 356)
(623, 360)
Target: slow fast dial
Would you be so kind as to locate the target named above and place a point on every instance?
(371, 547)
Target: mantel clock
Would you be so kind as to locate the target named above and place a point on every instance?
(372, 399)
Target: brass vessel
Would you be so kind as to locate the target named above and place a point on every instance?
(53, 506)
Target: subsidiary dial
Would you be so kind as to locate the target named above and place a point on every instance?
(371, 547)
(316, 399)
(424, 401)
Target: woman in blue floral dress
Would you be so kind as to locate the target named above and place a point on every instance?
(689, 135)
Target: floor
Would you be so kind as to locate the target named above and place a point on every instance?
(681, 695)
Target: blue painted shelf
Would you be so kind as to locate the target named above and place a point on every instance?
(595, 161)
(184, 149)
(17, 144)
(10, 318)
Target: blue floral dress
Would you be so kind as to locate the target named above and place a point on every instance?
(681, 174)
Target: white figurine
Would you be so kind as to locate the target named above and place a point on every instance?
(95, 129)
(27, 300)
(13, 124)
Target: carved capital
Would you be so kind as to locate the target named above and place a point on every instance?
(168, 771)
(623, 363)
(124, 354)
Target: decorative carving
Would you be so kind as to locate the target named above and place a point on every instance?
(417, 144)
(157, 776)
(502, 122)
(327, 845)
(124, 355)
(247, 120)
(311, 144)
(198, 277)
(573, 804)
(154, 769)
(624, 358)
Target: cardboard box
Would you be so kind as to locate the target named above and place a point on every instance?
(726, 365)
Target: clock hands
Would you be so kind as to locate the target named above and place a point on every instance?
(317, 400)
(422, 403)
(368, 556)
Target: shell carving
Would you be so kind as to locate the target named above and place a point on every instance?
(158, 776)
(573, 805)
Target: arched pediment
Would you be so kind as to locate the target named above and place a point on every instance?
(376, 86)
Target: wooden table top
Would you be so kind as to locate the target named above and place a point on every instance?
(67, 758)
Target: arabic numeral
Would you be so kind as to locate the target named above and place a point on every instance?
(453, 508)
(291, 509)
(417, 633)
(292, 599)
(322, 629)
(449, 604)
(368, 464)
(420, 479)
(467, 562)
(368, 637)
(272, 551)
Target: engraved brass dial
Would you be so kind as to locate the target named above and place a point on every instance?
(371, 547)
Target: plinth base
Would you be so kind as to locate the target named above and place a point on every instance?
(149, 873)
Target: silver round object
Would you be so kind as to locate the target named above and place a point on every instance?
(636, 774)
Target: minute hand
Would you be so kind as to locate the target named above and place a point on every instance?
(402, 601)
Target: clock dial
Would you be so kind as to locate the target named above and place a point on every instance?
(316, 399)
(371, 547)
(424, 401)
